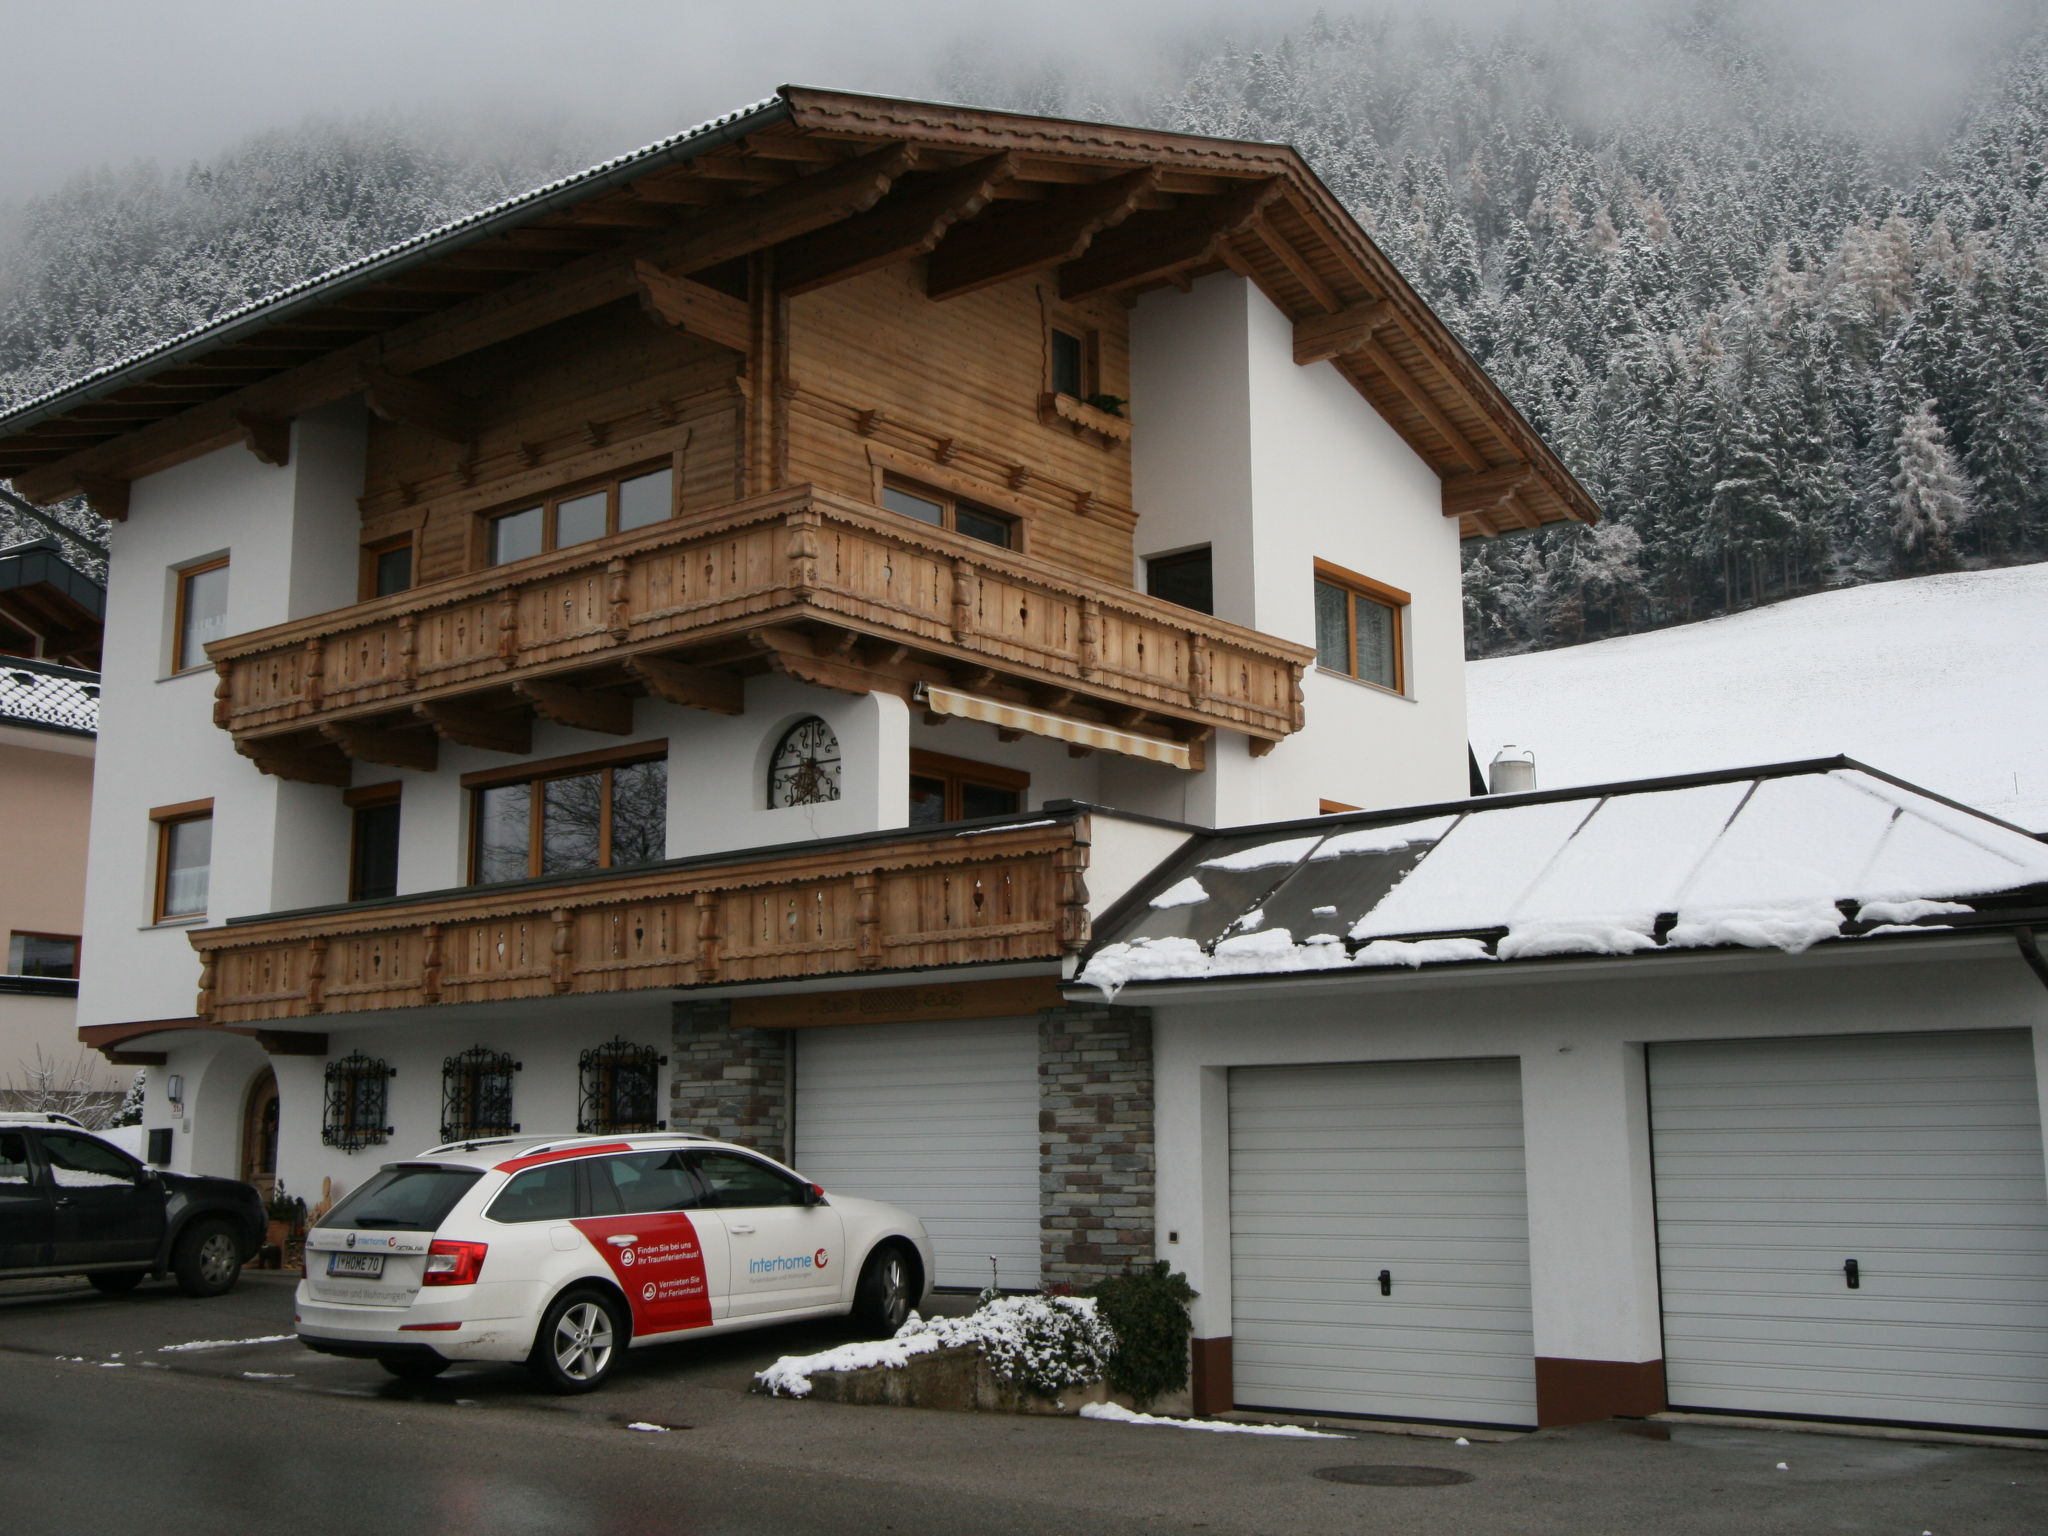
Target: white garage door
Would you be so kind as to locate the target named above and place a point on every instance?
(1340, 1173)
(1917, 1157)
(941, 1119)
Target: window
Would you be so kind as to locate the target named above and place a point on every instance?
(954, 789)
(736, 1181)
(373, 842)
(202, 613)
(43, 954)
(1358, 626)
(408, 1198)
(476, 1095)
(1185, 578)
(387, 567)
(85, 1162)
(184, 858)
(357, 1089)
(1072, 358)
(620, 1088)
(942, 509)
(13, 1158)
(642, 1184)
(599, 811)
(574, 517)
(804, 767)
(538, 1194)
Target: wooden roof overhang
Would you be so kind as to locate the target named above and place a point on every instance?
(835, 184)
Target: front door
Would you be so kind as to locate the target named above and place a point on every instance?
(259, 1134)
(783, 1254)
(25, 1215)
(109, 1210)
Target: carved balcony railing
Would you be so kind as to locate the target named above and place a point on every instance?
(823, 588)
(882, 902)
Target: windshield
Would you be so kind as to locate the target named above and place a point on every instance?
(410, 1197)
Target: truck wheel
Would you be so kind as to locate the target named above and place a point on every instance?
(207, 1260)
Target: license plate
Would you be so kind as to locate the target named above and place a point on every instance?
(371, 1264)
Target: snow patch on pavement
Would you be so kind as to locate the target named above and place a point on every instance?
(1119, 1415)
(198, 1344)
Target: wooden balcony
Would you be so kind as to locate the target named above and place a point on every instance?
(828, 590)
(882, 902)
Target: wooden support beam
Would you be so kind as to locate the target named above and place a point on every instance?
(268, 437)
(912, 221)
(137, 1058)
(417, 750)
(412, 403)
(1283, 250)
(291, 1042)
(301, 764)
(566, 704)
(694, 307)
(1384, 364)
(108, 497)
(1155, 245)
(693, 687)
(466, 725)
(459, 328)
(793, 655)
(1322, 337)
(1486, 492)
(1006, 242)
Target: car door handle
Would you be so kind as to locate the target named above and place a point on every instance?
(740, 1231)
(622, 1239)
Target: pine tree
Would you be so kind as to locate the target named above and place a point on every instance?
(1930, 495)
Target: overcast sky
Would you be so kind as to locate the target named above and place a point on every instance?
(94, 82)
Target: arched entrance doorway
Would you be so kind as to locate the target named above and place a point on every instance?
(259, 1133)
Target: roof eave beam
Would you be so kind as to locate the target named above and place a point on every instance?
(1009, 242)
(910, 223)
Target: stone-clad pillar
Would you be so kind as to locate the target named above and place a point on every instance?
(729, 1081)
(1096, 1192)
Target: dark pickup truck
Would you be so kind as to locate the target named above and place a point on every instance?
(72, 1204)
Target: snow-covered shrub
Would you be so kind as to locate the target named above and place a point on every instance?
(1041, 1344)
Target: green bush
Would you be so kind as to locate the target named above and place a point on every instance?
(1147, 1309)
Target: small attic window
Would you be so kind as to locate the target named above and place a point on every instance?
(1070, 364)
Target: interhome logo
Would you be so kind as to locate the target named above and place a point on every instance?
(783, 1265)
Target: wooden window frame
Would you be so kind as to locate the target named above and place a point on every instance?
(1059, 318)
(376, 549)
(603, 761)
(361, 798)
(951, 501)
(1389, 597)
(959, 771)
(77, 947)
(186, 573)
(164, 817)
(550, 502)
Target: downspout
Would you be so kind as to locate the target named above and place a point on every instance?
(2030, 951)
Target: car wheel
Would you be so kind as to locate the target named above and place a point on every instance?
(415, 1367)
(116, 1282)
(881, 1302)
(207, 1260)
(578, 1342)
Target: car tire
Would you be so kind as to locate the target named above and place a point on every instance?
(116, 1282)
(207, 1260)
(883, 1297)
(578, 1342)
(415, 1367)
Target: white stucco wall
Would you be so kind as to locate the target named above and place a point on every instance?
(1580, 1044)
(1275, 466)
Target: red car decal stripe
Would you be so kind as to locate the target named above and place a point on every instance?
(538, 1158)
(661, 1270)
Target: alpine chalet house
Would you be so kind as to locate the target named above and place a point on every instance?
(702, 642)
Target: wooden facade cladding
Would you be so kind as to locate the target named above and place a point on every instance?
(815, 585)
(910, 902)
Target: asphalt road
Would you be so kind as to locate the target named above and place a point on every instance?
(105, 1429)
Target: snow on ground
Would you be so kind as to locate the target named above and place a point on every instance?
(1117, 1415)
(1938, 680)
(198, 1344)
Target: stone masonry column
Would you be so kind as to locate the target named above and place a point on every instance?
(729, 1081)
(1096, 1168)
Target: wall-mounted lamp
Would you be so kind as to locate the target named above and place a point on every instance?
(174, 1089)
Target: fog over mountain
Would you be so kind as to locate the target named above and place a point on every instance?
(1771, 279)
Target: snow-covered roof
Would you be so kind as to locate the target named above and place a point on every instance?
(1937, 677)
(46, 696)
(1780, 857)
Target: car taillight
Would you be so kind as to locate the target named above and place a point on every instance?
(451, 1263)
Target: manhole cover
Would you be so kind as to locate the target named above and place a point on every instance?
(1395, 1477)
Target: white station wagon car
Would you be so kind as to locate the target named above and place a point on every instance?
(561, 1251)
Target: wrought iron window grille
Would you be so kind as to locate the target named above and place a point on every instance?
(476, 1094)
(621, 1088)
(358, 1098)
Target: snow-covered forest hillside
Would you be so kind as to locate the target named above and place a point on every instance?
(1787, 346)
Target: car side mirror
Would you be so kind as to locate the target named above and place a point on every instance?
(813, 1195)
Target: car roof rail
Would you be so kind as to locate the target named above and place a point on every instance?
(599, 1138)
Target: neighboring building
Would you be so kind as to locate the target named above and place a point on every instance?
(1720, 1092)
(1937, 678)
(49, 713)
(702, 642)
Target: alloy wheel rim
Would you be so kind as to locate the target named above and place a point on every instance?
(895, 1292)
(217, 1258)
(583, 1341)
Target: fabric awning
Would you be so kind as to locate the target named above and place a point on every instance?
(1080, 733)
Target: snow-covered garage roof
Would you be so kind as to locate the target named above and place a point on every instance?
(1778, 857)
